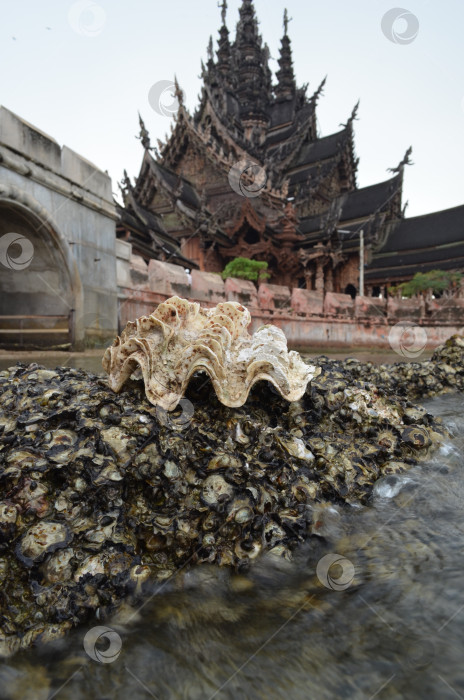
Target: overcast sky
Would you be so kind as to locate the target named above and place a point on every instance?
(81, 74)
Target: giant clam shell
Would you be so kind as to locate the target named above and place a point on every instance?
(179, 338)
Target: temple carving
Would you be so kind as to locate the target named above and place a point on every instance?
(247, 174)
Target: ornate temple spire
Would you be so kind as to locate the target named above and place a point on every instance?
(252, 70)
(143, 136)
(224, 52)
(210, 51)
(287, 21)
(267, 70)
(285, 88)
(247, 40)
(223, 12)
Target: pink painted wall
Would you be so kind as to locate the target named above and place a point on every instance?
(307, 318)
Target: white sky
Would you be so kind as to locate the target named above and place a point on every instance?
(85, 91)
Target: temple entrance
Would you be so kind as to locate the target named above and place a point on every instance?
(351, 290)
(36, 292)
(251, 236)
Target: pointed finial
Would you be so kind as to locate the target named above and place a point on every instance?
(210, 49)
(223, 11)
(125, 183)
(406, 161)
(352, 117)
(407, 157)
(319, 90)
(144, 136)
(354, 113)
(178, 92)
(287, 21)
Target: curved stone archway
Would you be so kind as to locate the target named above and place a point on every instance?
(40, 286)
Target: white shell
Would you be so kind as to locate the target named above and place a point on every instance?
(179, 338)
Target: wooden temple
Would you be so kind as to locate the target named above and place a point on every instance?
(249, 175)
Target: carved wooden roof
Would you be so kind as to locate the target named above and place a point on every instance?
(246, 114)
(420, 243)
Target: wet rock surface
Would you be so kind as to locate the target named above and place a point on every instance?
(443, 373)
(102, 493)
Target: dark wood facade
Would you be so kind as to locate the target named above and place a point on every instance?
(248, 175)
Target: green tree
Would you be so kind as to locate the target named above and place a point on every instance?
(435, 281)
(244, 268)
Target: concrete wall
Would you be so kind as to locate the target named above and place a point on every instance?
(273, 296)
(242, 291)
(308, 319)
(62, 204)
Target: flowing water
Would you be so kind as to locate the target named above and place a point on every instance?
(387, 623)
(90, 360)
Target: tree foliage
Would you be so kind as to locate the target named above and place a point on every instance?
(246, 269)
(435, 281)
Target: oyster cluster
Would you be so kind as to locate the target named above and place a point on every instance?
(180, 338)
(443, 373)
(100, 499)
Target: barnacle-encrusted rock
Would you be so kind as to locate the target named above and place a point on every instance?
(139, 498)
(180, 338)
(40, 539)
